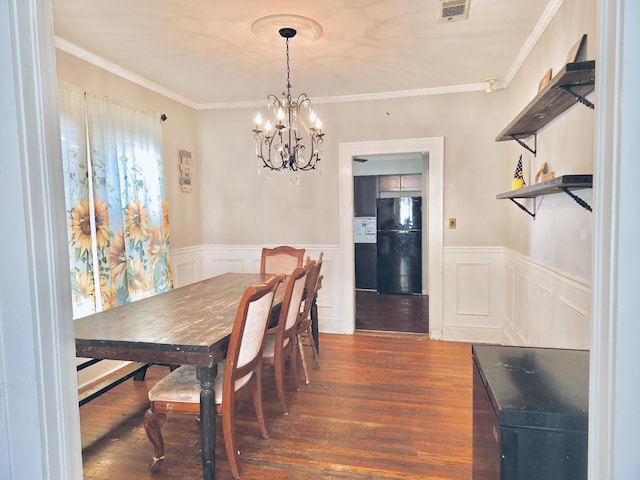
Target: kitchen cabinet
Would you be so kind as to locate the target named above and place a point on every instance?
(365, 191)
(400, 183)
(366, 255)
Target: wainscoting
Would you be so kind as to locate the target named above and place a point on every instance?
(473, 291)
(490, 294)
(495, 295)
(545, 307)
(193, 264)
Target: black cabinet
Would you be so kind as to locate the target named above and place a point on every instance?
(366, 268)
(365, 191)
(530, 413)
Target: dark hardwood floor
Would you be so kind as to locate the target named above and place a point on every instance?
(392, 313)
(380, 406)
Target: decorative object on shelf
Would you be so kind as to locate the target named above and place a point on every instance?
(543, 174)
(545, 80)
(578, 51)
(293, 139)
(518, 177)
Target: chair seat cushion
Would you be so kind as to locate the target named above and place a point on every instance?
(182, 386)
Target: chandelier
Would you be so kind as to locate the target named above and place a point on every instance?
(292, 139)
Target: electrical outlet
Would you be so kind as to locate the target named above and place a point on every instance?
(452, 223)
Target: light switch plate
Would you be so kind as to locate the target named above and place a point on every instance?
(452, 223)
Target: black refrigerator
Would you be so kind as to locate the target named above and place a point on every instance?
(399, 245)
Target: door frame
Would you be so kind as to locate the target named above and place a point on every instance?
(434, 147)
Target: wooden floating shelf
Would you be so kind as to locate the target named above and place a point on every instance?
(556, 185)
(553, 100)
(565, 183)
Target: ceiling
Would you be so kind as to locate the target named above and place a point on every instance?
(204, 53)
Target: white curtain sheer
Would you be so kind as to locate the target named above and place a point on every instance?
(118, 218)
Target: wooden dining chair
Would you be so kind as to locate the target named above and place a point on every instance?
(304, 332)
(280, 342)
(239, 377)
(282, 259)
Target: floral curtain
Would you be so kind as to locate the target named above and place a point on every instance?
(76, 180)
(116, 204)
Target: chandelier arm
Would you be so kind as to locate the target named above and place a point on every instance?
(260, 140)
(268, 141)
(275, 101)
(303, 100)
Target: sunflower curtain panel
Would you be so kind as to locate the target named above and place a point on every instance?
(117, 216)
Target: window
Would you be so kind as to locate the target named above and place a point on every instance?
(117, 217)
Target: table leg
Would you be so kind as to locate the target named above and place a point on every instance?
(208, 421)
(314, 323)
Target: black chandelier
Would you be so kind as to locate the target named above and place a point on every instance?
(293, 139)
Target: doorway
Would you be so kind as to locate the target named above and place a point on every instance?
(390, 232)
(433, 184)
(387, 312)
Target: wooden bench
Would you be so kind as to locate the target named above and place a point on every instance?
(134, 369)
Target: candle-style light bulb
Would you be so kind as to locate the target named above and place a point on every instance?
(312, 116)
(267, 126)
(280, 115)
(258, 121)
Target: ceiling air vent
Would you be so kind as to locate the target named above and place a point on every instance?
(453, 10)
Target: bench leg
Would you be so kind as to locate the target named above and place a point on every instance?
(139, 377)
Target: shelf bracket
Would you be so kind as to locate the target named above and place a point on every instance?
(524, 145)
(525, 209)
(578, 97)
(577, 199)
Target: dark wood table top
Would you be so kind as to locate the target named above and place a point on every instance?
(190, 325)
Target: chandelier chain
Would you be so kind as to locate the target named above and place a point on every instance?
(288, 69)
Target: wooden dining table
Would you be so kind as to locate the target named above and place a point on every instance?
(190, 325)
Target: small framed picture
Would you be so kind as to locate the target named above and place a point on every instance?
(545, 80)
(578, 51)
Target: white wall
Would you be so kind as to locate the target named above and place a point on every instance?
(550, 257)
(240, 207)
(561, 235)
(614, 383)
(39, 419)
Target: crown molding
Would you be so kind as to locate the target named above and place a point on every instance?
(541, 26)
(473, 87)
(100, 62)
